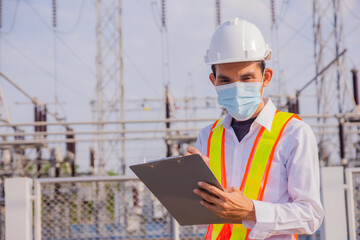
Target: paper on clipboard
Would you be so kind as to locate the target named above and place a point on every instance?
(173, 180)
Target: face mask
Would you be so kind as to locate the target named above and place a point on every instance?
(240, 99)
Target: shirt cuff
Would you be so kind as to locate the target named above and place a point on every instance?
(265, 219)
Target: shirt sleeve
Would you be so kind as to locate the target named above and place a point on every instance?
(201, 141)
(304, 213)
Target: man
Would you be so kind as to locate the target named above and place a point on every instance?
(265, 159)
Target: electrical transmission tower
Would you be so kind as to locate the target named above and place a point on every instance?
(331, 85)
(327, 45)
(110, 81)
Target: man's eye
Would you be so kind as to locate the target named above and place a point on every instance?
(224, 80)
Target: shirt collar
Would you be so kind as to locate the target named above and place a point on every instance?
(265, 117)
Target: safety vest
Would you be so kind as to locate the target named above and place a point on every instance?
(256, 172)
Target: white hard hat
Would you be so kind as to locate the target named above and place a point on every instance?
(237, 41)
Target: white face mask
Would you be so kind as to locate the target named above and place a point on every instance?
(240, 99)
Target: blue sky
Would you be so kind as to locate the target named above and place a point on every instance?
(26, 53)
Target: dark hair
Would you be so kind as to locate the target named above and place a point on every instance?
(261, 65)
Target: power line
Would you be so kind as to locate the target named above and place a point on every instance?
(76, 56)
(140, 74)
(350, 11)
(13, 19)
(295, 30)
(282, 20)
(287, 42)
(61, 40)
(42, 68)
(76, 24)
(153, 6)
(353, 30)
(37, 14)
(284, 8)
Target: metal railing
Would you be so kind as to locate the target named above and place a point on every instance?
(103, 208)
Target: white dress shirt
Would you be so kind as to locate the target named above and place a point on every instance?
(291, 202)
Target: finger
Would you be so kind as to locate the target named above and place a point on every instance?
(214, 208)
(192, 150)
(207, 197)
(212, 189)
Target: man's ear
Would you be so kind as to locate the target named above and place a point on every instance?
(268, 73)
(212, 78)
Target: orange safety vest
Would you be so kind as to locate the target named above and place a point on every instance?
(256, 173)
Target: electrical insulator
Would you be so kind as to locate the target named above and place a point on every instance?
(59, 158)
(218, 13)
(273, 12)
(54, 13)
(43, 118)
(163, 13)
(0, 14)
(92, 158)
(6, 157)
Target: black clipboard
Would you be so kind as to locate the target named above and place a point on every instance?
(172, 181)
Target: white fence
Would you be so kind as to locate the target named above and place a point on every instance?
(101, 208)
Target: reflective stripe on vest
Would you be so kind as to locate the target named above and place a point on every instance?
(256, 172)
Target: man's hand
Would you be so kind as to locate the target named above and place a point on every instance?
(192, 150)
(230, 204)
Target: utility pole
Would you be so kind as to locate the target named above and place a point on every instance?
(54, 21)
(165, 75)
(122, 89)
(164, 46)
(99, 90)
(280, 87)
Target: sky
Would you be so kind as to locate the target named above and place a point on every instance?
(27, 56)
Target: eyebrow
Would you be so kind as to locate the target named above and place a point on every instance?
(224, 77)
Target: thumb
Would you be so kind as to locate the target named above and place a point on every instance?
(193, 150)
